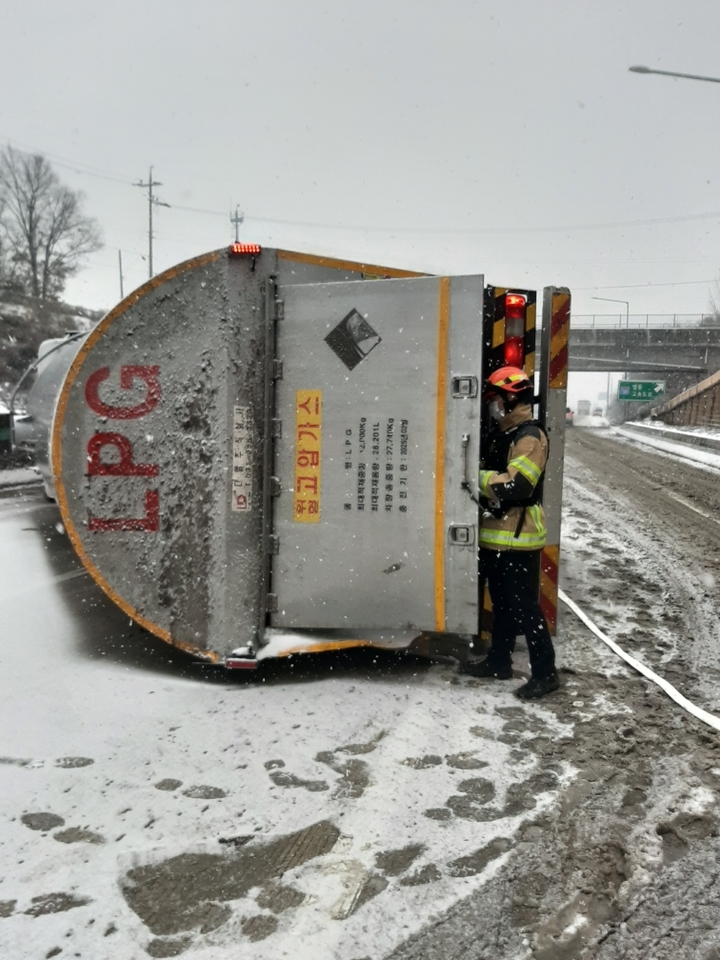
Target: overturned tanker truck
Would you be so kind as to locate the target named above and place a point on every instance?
(260, 452)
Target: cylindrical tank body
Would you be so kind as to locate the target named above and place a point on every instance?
(215, 497)
(54, 359)
(140, 452)
(159, 446)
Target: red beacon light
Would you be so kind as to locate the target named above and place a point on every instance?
(244, 249)
(515, 307)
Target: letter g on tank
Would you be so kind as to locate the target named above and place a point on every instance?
(128, 374)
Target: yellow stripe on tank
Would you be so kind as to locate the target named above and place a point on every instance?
(441, 406)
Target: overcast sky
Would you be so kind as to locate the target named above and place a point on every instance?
(503, 137)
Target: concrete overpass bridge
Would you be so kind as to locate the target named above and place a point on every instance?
(681, 349)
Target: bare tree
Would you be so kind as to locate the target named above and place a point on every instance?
(43, 231)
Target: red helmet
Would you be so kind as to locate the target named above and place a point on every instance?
(508, 379)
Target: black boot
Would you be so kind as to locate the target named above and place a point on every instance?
(538, 687)
(488, 669)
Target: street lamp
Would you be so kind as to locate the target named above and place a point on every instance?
(671, 73)
(613, 300)
(627, 324)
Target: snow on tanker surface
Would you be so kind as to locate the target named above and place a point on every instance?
(239, 451)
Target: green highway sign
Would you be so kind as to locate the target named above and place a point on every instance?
(641, 390)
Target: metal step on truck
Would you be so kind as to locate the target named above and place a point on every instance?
(261, 453)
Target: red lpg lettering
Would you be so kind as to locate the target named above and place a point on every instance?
(128, 374)
(150, 523)
(125, 467)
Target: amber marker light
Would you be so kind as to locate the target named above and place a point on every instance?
(244, 249)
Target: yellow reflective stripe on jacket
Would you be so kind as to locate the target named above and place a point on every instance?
(506, 538)
(538, 518)
(500, 534)
(527, 468)
(483, 478)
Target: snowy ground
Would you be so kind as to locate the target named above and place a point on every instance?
(371, 806)
(686, 446)
(114, 763)
(687, 433)
(624, 865)
(18, 476)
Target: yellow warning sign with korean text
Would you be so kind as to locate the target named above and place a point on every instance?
(308, 457)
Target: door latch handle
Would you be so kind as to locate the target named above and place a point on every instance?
(464, 480)
(462, 534)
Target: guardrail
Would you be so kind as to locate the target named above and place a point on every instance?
(677, 436)
(655, 321)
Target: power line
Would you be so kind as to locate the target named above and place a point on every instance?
(68, 164)
(470, 231)
(671, 283)
(85, 169)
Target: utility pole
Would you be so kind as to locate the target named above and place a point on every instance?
(152, 202)
(237, 219)
(627, 325)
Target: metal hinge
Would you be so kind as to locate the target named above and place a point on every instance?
(275, 486)
(276, 429)
(279, 310)
(277, 369)
(271, 603)
(273, 543)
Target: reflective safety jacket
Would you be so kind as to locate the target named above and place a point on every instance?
(510, 485)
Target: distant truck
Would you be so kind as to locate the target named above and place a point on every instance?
(583, 408)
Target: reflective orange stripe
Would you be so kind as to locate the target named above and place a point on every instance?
(349, 265)
(559, 334)
(549, 562)
(441, 405)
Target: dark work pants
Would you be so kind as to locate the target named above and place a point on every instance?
(512, 579)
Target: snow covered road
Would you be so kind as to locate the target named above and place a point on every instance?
(150, 807)
(370, 806)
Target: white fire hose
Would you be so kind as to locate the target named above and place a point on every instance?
(710, 719)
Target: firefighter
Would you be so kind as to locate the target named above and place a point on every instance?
(512, 533)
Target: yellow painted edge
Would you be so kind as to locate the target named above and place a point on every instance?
(548, 588)
(498, 335)
(531, 317)
(530, 364)
(346, 264)
(559, 340)
(58, 420)
(559, 301)
(553, 551)
(316, 472)
(441, 406)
